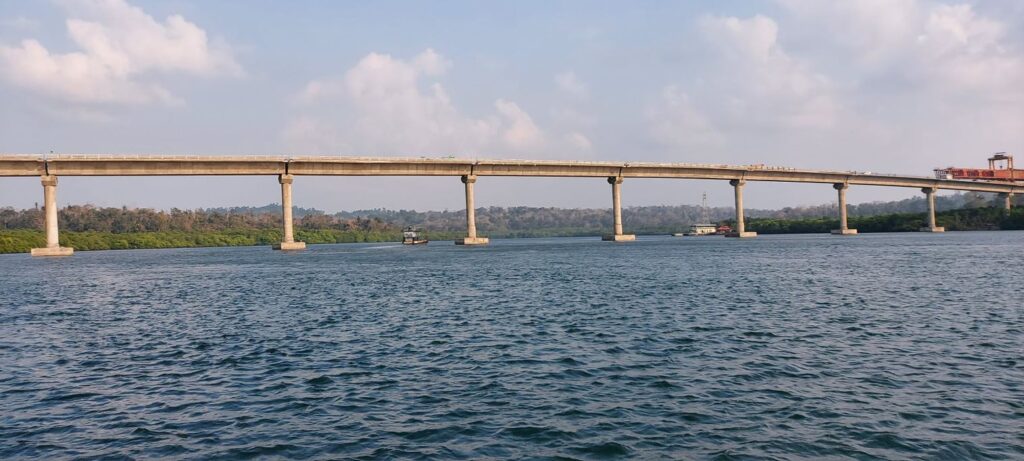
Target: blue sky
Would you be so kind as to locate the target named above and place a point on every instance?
(875, 85)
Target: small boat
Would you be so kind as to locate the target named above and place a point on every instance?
(698, 230)
(413, 236)
(704, 228)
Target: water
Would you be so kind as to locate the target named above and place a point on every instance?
(816, 347)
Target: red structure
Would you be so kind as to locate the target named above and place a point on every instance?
(1000, 168)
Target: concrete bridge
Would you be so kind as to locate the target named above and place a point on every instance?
(48, 168)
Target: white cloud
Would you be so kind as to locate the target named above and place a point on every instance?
(763, 84)
(869, 26)
(578, 141)
(431, 63)
(968, 51)
(748, 85)
(311, 135)
(572, 116)
(385, 105)
(571, 85)
(926, 45)
(121, 49)
(520, 132)
(928, 82)
(675, 122)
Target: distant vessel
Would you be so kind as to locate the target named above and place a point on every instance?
(413, 236)
(699, 230)
(704, 227)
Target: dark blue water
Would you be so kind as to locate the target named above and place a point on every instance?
(813, 347)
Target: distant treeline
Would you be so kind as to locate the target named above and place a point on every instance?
(21, 240)
(94, 228)
(510, 221)
(648, 219)
(954, 220)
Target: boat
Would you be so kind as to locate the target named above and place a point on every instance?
(413, 236)
(699, 230)
(704, 227)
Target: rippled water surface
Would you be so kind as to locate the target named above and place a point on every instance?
(816, 347)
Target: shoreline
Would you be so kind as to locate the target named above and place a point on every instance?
(595, 236)
(14, 241)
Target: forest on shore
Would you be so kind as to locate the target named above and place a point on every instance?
(86, 227)
(966, 219)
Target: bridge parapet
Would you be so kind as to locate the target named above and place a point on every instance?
(193, 164)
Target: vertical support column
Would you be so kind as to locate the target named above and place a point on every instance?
(471, 238)
(618, 236)
(740, 231)
(53, 247)
(843, 229)
(288, 242)
(932, 227)
(1007, 200)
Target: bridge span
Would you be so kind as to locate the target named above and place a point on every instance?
(48, 168)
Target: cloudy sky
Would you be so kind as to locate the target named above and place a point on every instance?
(875, 85)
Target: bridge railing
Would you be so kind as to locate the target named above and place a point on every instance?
(439, 158)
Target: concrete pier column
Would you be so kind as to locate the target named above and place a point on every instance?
(288, 243)
(930, 194)
(1007, 200)
(618, 236)
(53, 247)
(471, 238)
(740, 231)
(843, 229)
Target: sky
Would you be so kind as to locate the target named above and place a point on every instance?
(900, 86)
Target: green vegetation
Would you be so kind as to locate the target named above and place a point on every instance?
(21, 240)
(952, 220)
(92, 228)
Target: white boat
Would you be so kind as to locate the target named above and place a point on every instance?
(413, 236)
(705, 227)
(698, 230)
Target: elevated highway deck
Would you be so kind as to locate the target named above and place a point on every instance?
(214, 165)
(287, 168)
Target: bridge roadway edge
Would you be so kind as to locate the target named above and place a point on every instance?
(212, 165)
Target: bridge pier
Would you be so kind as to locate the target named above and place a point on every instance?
(53, 247)
(930, 194)
(618, 236)
(1007, 200)
(740, 231)
(471, 238)
(843, 229)
(288, 242)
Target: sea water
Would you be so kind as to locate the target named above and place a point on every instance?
(780, 347)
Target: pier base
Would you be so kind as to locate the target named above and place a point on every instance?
(290, 246)
(618, 237)
(53, 251)
(844, 231)
(473, 241)
(742, 235)
(933, 229)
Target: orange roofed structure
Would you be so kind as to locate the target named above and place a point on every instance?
(1000, 168)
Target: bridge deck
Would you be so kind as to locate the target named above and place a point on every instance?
(193, 165)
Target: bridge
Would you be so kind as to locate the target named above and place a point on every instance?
(286, 169)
